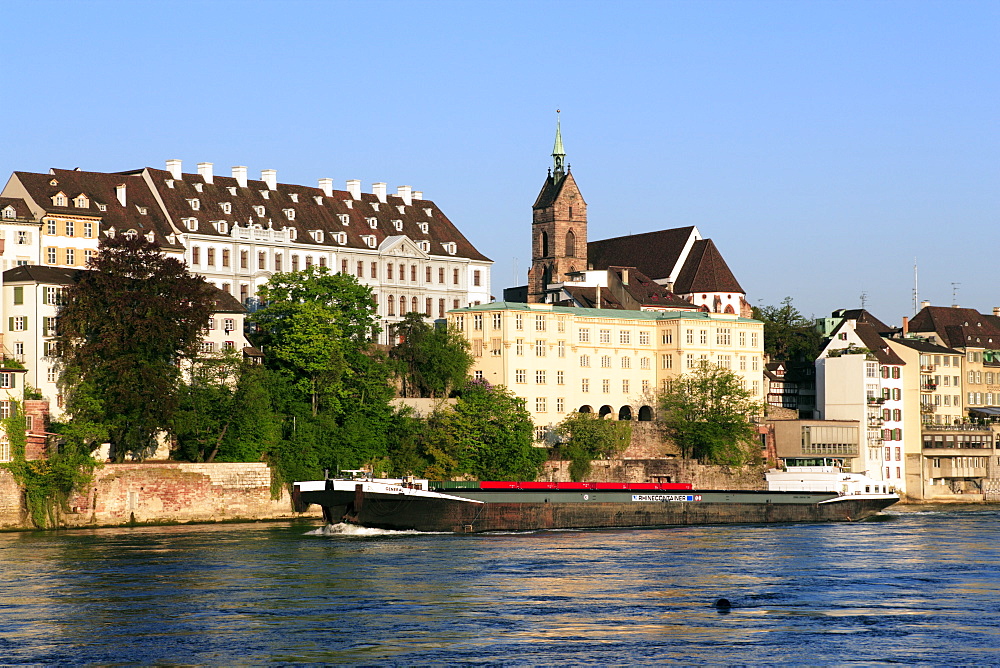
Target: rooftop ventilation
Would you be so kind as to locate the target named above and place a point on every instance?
(270, 177)
(354, 187)
(240, 174)
(326, 185)
(174, 167)
(205, 171)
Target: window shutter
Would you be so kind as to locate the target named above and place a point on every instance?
(10, 324)
(26, 323)
(19, 294)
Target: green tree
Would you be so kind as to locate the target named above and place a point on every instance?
(434, 359)
(711, 416)
(788, 335)
(488, 435)
(584, 437)
(205, 407)
(123, 327)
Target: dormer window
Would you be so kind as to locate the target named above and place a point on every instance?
(424, 227)
(401, 208)
(169, 182)
(319, 199)
(398, 224)
(142, 210)
(195, 204)
(373, 223)
(294, 196)
(293, 233)
(341, 238)
(344, 219)
(317, 235)
(102, 207)
(81, 202)
(370, 240)
(8, 212)
(53, 182)
(375, 205)
(59, 199)
(289, 213)
(427, 212)
(259, 210)
(199, 187)
(232, 190)
(191, 224)
(151, 237)
(450, 247)
(227, 207)
(131, 234)
(222, 226)
(425, 246)
(266, 194)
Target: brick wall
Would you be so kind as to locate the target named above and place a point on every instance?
(169, 492)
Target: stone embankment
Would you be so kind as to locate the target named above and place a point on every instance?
(163, 492)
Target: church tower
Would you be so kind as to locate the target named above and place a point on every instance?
(558, 228)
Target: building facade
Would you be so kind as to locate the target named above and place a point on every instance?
(604, 361)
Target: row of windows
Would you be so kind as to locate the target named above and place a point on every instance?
(70, 256)
(625, 362)
(70, 228)
(414, 307)
(939, 360)
(723, 337)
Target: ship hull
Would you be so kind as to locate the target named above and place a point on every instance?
(475, 511)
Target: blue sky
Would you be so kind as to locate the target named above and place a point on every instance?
(823, 145)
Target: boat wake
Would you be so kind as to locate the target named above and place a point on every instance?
(353, 531)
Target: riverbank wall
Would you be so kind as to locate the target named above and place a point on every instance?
(163, 492)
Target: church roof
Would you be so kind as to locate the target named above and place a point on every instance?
(655, 254)
(551, 190)
(706, 271)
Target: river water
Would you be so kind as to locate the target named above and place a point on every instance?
(919, 586)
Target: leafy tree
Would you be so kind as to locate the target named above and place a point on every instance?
(253, 429)
(123, 328)
(788, 335)
(205, 407)
(585, 437)
(434, 359)
(710, 416)
(487, 434)
(314, 326)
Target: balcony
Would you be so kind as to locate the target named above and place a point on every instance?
(927, 368)
(875, 400)
(928, 387)
(926, 409)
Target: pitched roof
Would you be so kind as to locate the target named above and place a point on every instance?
(648, 292)
(874, 342)
(862, 315)
(958, 327)
(21, 210)
(926, 347)
(654, 253)
(100, 189)
(256, 205)
(705, 271)
(551, 190)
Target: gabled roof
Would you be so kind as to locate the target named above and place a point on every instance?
(551, 190)
(648, 292)
(706, 271)
(862, 315)
(100, 188)
(313, 210)
(21, 210)
(653, 253)
(875, 343)
(958, 327)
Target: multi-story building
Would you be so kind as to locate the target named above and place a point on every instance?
(860, 378)
(237, 232)
(605, 361)
(31, 299)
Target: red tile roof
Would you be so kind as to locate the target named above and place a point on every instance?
(654, 253)
(704, 270)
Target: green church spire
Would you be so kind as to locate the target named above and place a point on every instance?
(558, 152)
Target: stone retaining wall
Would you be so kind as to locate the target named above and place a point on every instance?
(666, 470)
(165, 492)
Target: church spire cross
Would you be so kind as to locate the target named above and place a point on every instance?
(558, 152)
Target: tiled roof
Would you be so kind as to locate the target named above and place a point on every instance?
(875, 343)
(653, 253)
(862, 315)
(100, 188)
(648, 292)
(31, 273)
(705, 271)
(958, 327)
(21, 210)
(600, 313)
(550, 191)
(926, 347)
(313, 210)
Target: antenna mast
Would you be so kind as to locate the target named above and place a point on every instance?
(916, 292)
(954, 294)
(864, 298)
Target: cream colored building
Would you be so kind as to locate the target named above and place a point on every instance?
(605, 361)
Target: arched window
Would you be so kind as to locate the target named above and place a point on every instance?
(392, 305)
(402, 306)
(606, 411)
(645, 414)
(570, 243)
(543, 244)
(625, 413)
(413, 305)
(585, 409)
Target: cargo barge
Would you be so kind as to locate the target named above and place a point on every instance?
(474, 507)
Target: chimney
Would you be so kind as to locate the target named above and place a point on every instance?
(270, 177)
(240, 174)
(598, 296)
(205, 171)
(404, 192)
(417, 194)
(625, 275)
(924, 304)
(906, 326)
(326, 185)
(354, 187)
(120, 192)
(174, 167)
(378, 189)
(996, 310)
